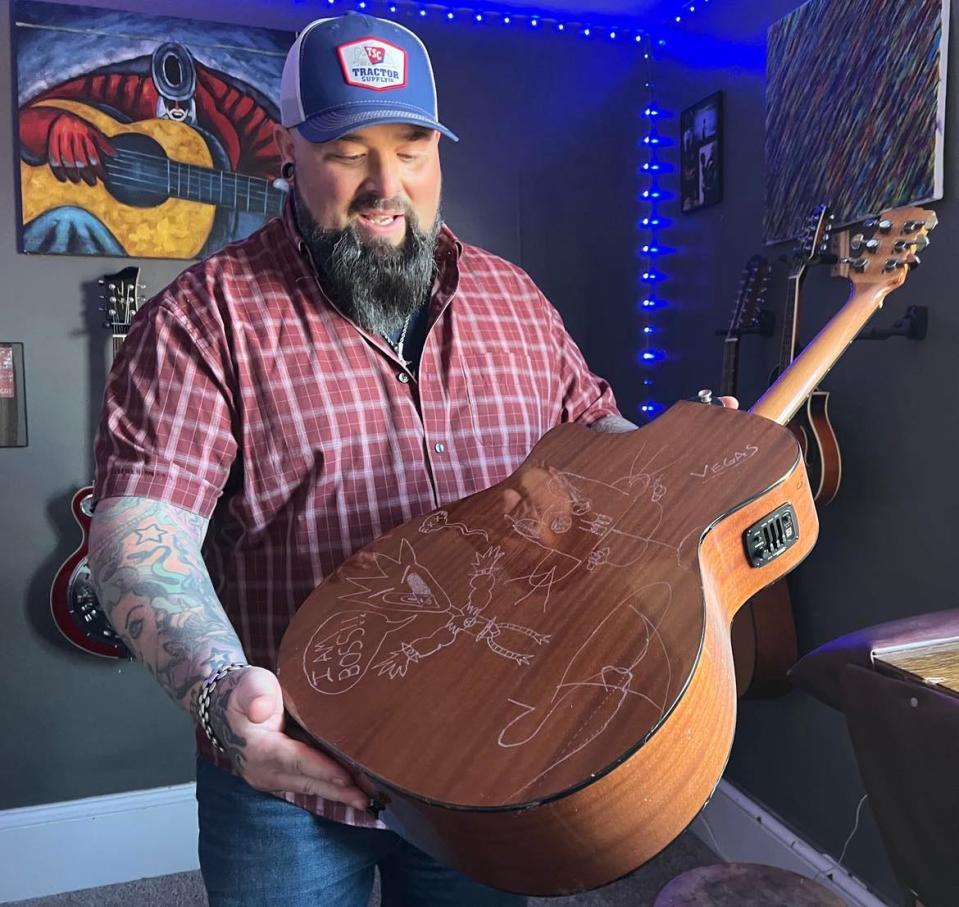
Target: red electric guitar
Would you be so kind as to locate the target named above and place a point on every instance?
(73, 601)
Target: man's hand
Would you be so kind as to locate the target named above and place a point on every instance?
(246, 712)
(76, 150)
(729, 402)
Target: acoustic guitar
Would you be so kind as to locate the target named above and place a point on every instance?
(763, 632)
(161, 191)
(535, 684)
(811, 424)
(74, 605)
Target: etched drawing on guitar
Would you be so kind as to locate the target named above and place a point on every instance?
(74, 606)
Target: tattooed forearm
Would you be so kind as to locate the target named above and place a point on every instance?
(154, 588)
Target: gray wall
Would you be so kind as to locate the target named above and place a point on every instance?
(543, 175)
(884, 548)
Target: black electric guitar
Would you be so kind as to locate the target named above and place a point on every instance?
(73, 601)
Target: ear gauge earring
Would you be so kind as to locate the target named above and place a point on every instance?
(282, 182)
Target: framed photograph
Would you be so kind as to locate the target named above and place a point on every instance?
(701, 153)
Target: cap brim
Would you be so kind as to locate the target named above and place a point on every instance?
(330, 126)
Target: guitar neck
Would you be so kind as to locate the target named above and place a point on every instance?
(787, 345)
(223, 188)
(786, 395)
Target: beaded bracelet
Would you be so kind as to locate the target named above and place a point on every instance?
(203, 701)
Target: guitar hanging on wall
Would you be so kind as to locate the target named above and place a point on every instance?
(811, 424)
(763, 632)
(73, 601)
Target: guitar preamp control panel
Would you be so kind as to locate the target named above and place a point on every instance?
(771, 536)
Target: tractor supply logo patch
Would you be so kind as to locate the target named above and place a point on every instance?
(374, 64)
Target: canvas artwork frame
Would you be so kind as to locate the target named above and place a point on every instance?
(701, 153)
(169, 120)
(855, 114)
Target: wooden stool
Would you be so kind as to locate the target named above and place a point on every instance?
(744, 885)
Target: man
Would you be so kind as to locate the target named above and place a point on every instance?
(287, 401)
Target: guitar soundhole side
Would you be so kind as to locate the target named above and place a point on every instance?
(137, 174)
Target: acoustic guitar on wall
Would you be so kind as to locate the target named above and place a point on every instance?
(535, 684)
(764, 629)
(74, 605)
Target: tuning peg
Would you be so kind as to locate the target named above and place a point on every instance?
(883, 226)
(893, 264)
(858, 264)
(856, 242)
(913, 262)
(872, 245)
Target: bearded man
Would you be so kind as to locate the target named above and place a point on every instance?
(350, 366)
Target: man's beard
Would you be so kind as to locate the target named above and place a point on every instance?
(373, 282)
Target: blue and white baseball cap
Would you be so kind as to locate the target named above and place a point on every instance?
(353, 71)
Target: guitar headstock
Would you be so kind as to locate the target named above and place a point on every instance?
(752, 295)
(121, 299)
(882, 251)
(813, 241)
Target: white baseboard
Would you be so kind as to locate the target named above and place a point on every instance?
(61, 847)
(739, 830)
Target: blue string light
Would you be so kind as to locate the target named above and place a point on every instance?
(481, 14)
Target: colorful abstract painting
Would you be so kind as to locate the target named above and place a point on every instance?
(855, 97)
(144, 136)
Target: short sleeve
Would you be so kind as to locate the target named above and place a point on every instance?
(166, 430)
(585, 397)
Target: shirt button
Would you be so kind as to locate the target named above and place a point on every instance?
(402, 377)
(439, 447)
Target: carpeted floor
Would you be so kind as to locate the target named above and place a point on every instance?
(186, 889)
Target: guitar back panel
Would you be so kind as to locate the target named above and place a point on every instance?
(525, 641)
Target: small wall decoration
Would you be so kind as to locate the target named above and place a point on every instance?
(701, 159)
(855, 101)
(143, 136)
(13, 401)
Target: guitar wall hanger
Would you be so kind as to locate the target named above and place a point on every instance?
(765, 325)
(913, 326)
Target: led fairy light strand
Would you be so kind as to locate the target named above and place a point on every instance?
(531, 19)
(535, 20)
(650, 223)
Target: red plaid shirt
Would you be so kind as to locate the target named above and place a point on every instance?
(242, 395)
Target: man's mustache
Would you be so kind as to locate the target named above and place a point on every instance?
(373, 202)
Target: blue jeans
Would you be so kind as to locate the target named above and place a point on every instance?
(256, 849)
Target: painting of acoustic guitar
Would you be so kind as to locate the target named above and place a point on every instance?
(161, 192)
(144, 136)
